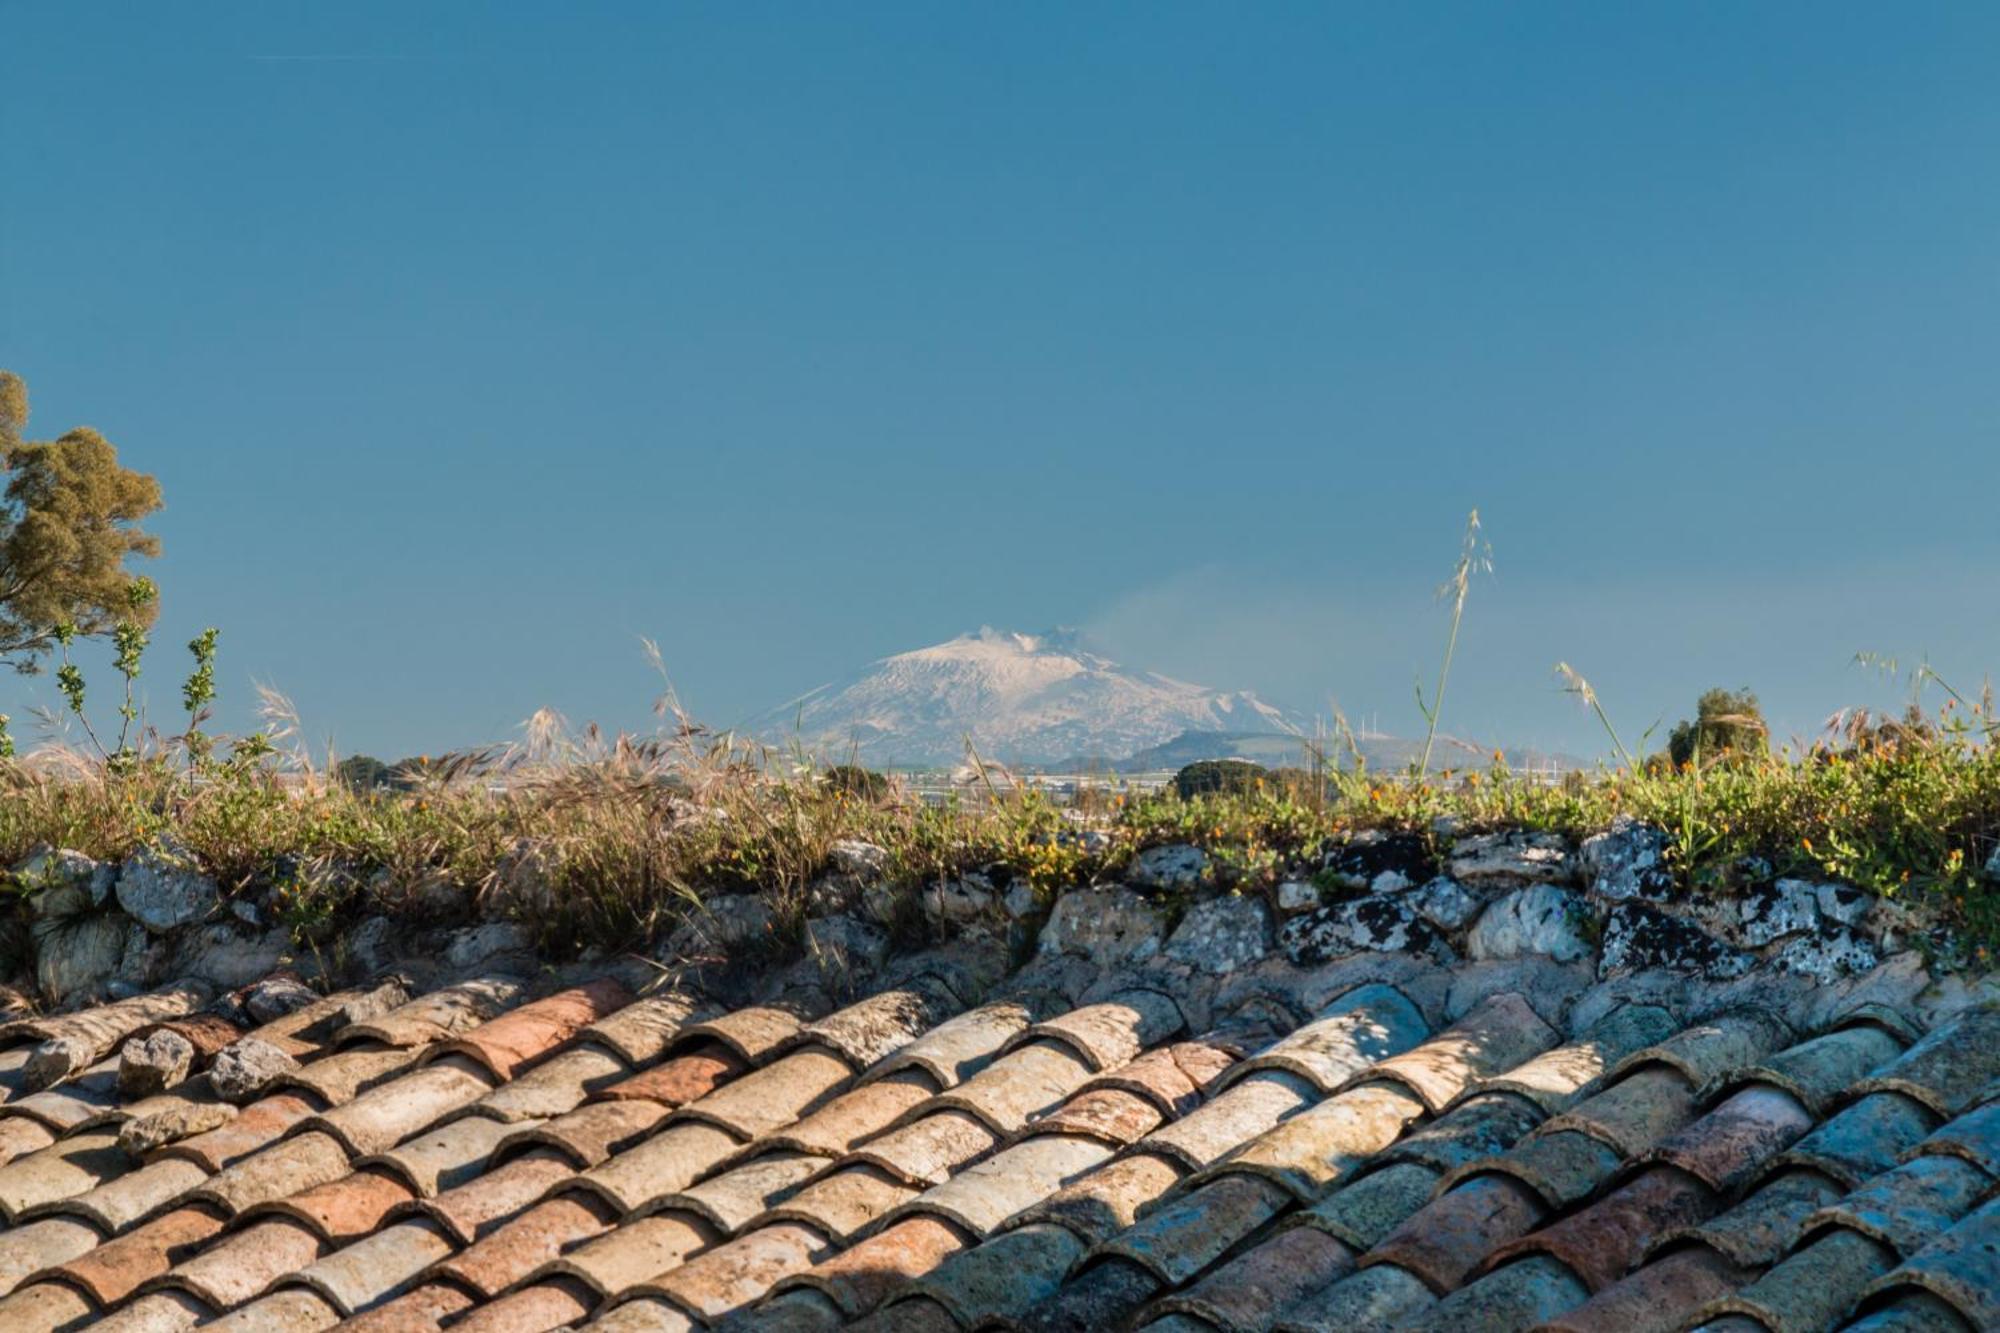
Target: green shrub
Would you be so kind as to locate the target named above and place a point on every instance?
(1212, 777)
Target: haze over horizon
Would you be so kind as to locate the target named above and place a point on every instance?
(470, 344)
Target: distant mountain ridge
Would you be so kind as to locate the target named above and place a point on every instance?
(1022, 699)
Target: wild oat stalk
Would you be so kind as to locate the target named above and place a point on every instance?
(1475, 555)
(1574, 683)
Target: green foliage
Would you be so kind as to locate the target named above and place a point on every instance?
(1728, 727)
(1209, 776)
(363, 773)
(69, 519)
(862, 783)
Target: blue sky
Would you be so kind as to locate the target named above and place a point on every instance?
(472, 342)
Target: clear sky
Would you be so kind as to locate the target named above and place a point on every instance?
(472, 342)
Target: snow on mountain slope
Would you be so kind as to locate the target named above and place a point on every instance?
(1022, 698)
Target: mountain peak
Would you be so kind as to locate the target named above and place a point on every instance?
(1020, 698)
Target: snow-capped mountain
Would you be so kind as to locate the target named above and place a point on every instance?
(1022, 698)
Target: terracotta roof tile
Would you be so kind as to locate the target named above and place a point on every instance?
(293, 1310)
(1975, 1136)
(1904, 1311)
(509, 1043)
(336, 1079)
(129, 1196)
(1308, 1153)
(1364, 1213)
(1959, 1267)
(1483, 1126)
(1812, 1288)
(1657, 1298)
(283, 1169)
(670, 1160)
(982, 1196)
(27, 1250)
(927, 1152)
(1705, 1051)
(244, 1263)
(844, 1202)
(641, 1032)
(343, 1209)
(1502, 1033)
(773, 1096)
(1349, 1036)
(681, 1079)
(66, 1168)
(73, 1103)
(1003, 1276)
(1521, 1295)
(632, 1252)
(536, 1309)
(477, 1159)
(499, 1260)
(1233, 1116)
(730, 1200)
(1604, 1241)
(1635, 1112)
(370, 1270)
(1019, 1085)
(1558, 1076)
(589, 1134)
(1909, 1205)
(1173, 1078)
(852, 1117)
(739, 1271)
(959, 1047)
(443, 1157)
(383, 1116)
(419, 1310)
(1107, 1200)
(1947, 1069)
(1727, 1147)
(871, 1029)
(256, 1126)
(751, 1033)
(1864, 1139)
(440, 1014)
(1190, 1231)
(1757, 1231)
(1250, 1291)
(1111, 1033)
(553, 1087)
(470, 1210)
(1819, 1072)
(1447, 1238)
(20, 1136)
(861, 1277)
(1109, 1115)
(45, 1307)
(73, 1041)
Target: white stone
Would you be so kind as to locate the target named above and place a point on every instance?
(221, 953)
(1505, 859)
(151, 1064)
(1176, 865)
(1297, 895)
(242, 1070)
(1788, 907)
(1111, 927)
(160, 890)
(959, 901)
(1540, 919)
(1360, 925)
(1021, 901)
(726, 922)
(67, 882)
(1828, 952)
(476, 944)
(1626, 861)
(76, 956)
(1222, 934)
(1446, 903)
(851, 856)
(1843, 903)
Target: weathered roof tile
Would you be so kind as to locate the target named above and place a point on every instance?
(113, 1270)
(861, 1277)
(1727, 1147)
(1503, 1032)
(843, 1202)
(499, 1260)
(1959, 1267)
(1111, 1033)
(244, 1263)
(510, 1042)
(959, 1047)
(1309, 1152)
(589, 1134)
(45, 1243)
(628, 1254)
(737, 1272)
(883, 1023)
(1757, 1231)
(773, 1096)
(343, 1209)
(1446, 1239)
(64, 1169)
(1658, 1296)
(670, 1160)
(1367, 1024)
(384, 1116)
(984, 1195)
(444, 1157)
(1248, 1292)
(374, 1268)
(1106, 1201)
(1602, 1242)
(1364, 1213)
(468, 1211)
(255, 1127)
(730, 1200)
(286, 1168)
(1020, 1084)
(1864, 1139)
(553, 1087)
(438, 1015)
